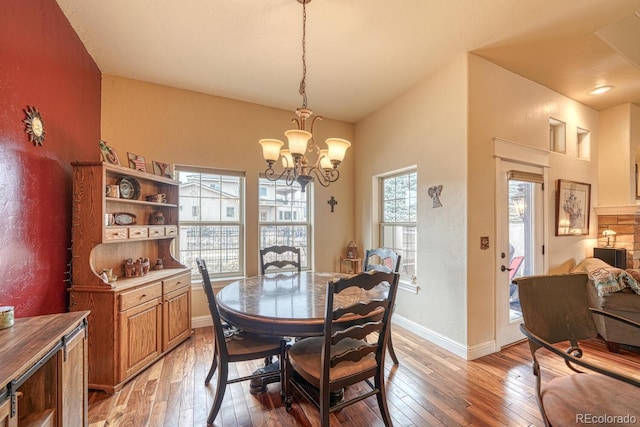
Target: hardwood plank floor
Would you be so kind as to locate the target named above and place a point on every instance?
(431, 387)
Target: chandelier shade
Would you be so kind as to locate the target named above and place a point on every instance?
(297, 162)
(271, 149)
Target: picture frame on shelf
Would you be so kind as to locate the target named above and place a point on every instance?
(162, 169)
(136, 161)
(573, 205)
(109, 155)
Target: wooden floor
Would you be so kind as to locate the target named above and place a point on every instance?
(430, 387)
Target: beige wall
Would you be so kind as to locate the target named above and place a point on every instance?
(425, 128)
(505, 105)
(619, 145)
(183, 127)
(446, 126)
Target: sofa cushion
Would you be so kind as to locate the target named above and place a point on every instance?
(625, 300)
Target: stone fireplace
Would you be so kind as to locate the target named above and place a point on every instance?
(625, 221)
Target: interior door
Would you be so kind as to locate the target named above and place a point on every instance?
(519, 241)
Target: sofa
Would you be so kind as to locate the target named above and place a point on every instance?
(617, 291)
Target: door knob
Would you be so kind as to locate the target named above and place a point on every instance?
(503, 268)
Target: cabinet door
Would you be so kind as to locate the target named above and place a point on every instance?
(176, 317)
(5, 415)
(140, 337)
(73, 378)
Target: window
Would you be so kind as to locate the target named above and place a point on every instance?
(211, 220)
(284, 217)
(398, 214)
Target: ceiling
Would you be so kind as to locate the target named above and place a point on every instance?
(361, 54)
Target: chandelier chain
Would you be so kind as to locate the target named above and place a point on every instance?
(303, 82)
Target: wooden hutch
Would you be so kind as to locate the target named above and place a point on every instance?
(134, 320)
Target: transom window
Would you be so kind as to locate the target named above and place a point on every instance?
(284, 217)
(211, 220)
(398, 219)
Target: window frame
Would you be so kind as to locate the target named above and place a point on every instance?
(405, 277)
(240, 223)
(306, 252)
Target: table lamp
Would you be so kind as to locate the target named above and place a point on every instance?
(608, 234)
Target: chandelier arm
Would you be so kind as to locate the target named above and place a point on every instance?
(332, 175)
(290, 178)
(313, 141)
(324, 177)
(271, 174)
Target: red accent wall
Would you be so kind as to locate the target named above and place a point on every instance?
(43, 64)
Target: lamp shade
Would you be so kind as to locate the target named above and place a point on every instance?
(298, 140)
(287, 160)
(337, 149)
(271, 149)
(325, 163)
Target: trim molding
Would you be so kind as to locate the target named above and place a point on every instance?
(520, 153)
(618, 210)
(201, 322)
(460, 350)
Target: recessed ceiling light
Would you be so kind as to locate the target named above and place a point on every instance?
(600, 90)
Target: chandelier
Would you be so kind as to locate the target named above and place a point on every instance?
(296, 159)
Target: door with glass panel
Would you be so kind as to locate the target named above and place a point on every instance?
(520, 235)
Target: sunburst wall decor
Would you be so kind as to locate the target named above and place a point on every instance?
(34, 125)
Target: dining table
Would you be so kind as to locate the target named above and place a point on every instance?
(285, 304)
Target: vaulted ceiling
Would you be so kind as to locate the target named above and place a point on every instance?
(360, 53)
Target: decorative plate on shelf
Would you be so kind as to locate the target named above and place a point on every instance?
(124, 218)
(129, 188)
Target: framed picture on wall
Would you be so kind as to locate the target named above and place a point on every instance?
(573, 203)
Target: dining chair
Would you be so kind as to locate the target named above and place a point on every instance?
(272, 256)
(342, 356)
(233, 345)
(556, 314)
(383, 259)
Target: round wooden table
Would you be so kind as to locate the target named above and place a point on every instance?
(284, 304)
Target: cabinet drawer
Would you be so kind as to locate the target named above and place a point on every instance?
(138, 232)
(141, 295)
(156, 231)
(116, 233)
(171, 231)
(177, 282)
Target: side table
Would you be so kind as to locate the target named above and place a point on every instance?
(616, 257)
(354, 265)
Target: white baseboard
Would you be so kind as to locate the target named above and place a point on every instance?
(201, 321)
(467, 353)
